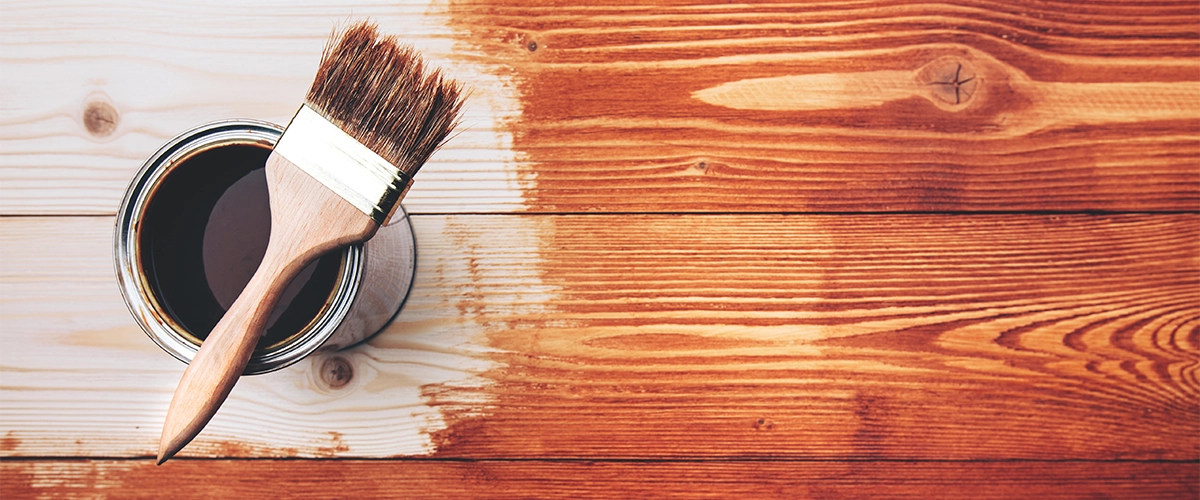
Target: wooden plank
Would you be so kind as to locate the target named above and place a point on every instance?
(968, 105)
(643, 337)
(844, 106)
(71, 349)
(542, 479)
(91, 90)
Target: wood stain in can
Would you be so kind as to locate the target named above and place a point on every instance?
(204, 234)
(193, 228)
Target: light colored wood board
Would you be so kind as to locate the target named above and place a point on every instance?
(597, 479)
(833, 106)
(149, 71)
(72, 349)
(866, 337)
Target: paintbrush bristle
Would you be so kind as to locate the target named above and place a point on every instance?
(379, 91)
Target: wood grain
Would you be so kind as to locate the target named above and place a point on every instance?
(841, 106)
(670, 337)
(91, 90)
(867, 337)
(748, 313)
(72, 350)
(620, 108)
(542, 479)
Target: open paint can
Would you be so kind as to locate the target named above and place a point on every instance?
(193, 228)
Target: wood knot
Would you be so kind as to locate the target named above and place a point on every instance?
(100, 118)
(533, 46)
(336, 372)
(952, 82)
(702, 167)
(764, 424)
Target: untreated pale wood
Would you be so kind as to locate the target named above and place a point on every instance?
(548, 479)
(639, 337)
(91, 90)
(967, 105)
(308, 219)
(63, 320)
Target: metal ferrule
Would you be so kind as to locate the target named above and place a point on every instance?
(344, 165)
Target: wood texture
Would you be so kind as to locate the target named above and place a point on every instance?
(1029, 327)
(91, 90)
(867, 337)
(619, 337)
(64, 320)
(962, 106)
(542, 479)
(843, 106)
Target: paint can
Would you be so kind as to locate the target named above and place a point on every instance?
(192, 229)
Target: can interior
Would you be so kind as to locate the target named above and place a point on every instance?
(203, 233)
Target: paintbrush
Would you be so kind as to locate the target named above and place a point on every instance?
(372, 118)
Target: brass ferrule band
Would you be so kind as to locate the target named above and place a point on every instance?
(330, 155)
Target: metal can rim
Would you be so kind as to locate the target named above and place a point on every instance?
(135, 290)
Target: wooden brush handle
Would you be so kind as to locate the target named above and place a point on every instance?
(307, 221)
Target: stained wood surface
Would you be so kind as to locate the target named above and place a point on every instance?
(842, 106)
(543, 479)
(688, 106)
(586, 337)
(830, 249)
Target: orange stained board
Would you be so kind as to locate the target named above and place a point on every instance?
(615, 480)
(844, 106)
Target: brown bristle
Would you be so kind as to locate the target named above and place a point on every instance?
(380, 92)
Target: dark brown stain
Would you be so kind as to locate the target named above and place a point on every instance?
(100, 118)
(204, 233)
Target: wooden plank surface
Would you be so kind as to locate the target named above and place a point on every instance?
(546, 479)
(618, 337)
(774, 296)
(91, 90)
(832, 106)
(846, 106)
